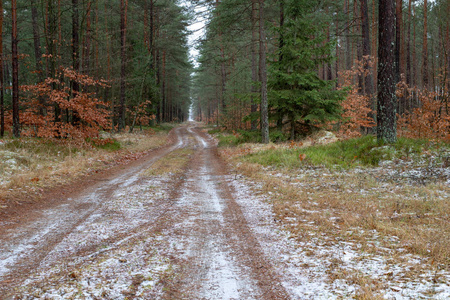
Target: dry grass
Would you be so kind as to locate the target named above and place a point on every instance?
(376, 216)
(27, 166)
(173, 163)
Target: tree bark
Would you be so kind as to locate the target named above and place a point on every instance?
(280, 58)
(123, 18)
(408, 47)
(398, 34)
(386, 112)
(414, 55)
(87, 40)
(348, 52)
(2, 95)
(366, 51)
(75, 57)
(425, 80)
(37, 52)
(254, 88)
(15, 70)
(263, 76)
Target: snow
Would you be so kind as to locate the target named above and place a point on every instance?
(306, 266)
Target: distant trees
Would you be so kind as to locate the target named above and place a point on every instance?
(345, 39)
(148, 72)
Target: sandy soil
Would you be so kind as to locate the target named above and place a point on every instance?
(122, 234)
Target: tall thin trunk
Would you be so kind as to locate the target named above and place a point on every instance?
(15, 70)
(425, 47)
(37, 52)
(87, 40)
(414, 55)
(163, 88)
(357, 44)
(280, 57)
(386, 112)
(408, 47)
(448, 50)
(75, 57)
(254, 88)
(348, 54)
(152, 35)
(366, 51)
(123, 21)
(374, 46)
(398, 34)
(337, 53)
(223, 71)
(2, 95)
(263, 76)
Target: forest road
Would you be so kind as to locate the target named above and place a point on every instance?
(132, 233)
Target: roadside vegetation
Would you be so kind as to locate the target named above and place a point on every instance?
(30, 165)
(387, 203)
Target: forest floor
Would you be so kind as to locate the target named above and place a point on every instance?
(185, 220)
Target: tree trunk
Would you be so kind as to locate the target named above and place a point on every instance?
(15, 71)
(87, 40)
(254, 88)
(348, 53)
(398, 34)
(408, 47)
(425, 47)
(386, 119)
(414, 55)
(37, 52)
(123, 20)
(263, 76)
(448, 50)
(280, 58)
(75, 57)
(366, 51)
(2, 95)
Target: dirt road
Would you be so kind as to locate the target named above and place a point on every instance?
(139, 232)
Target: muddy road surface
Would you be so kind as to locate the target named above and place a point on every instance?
(167, 226)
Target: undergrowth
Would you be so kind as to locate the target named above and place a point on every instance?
(363, 151)
(29, 164)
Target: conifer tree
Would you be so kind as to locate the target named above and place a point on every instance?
(296, 89)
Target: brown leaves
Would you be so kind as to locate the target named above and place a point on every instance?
(51, 105)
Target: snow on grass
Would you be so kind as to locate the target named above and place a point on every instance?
(323, 267)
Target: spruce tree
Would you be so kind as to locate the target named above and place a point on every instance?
(296, 90)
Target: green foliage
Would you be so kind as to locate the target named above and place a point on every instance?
(227, 140)
(295, 88)
(108, 144)
(246, 136)
(363, 151)
(39, 147)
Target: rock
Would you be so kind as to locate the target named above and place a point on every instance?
(327, 138)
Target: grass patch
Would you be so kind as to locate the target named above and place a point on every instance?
(227, 139)
(173, 163)
(109, 144)
(326, 202)
(364, 151)
(29, 164)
